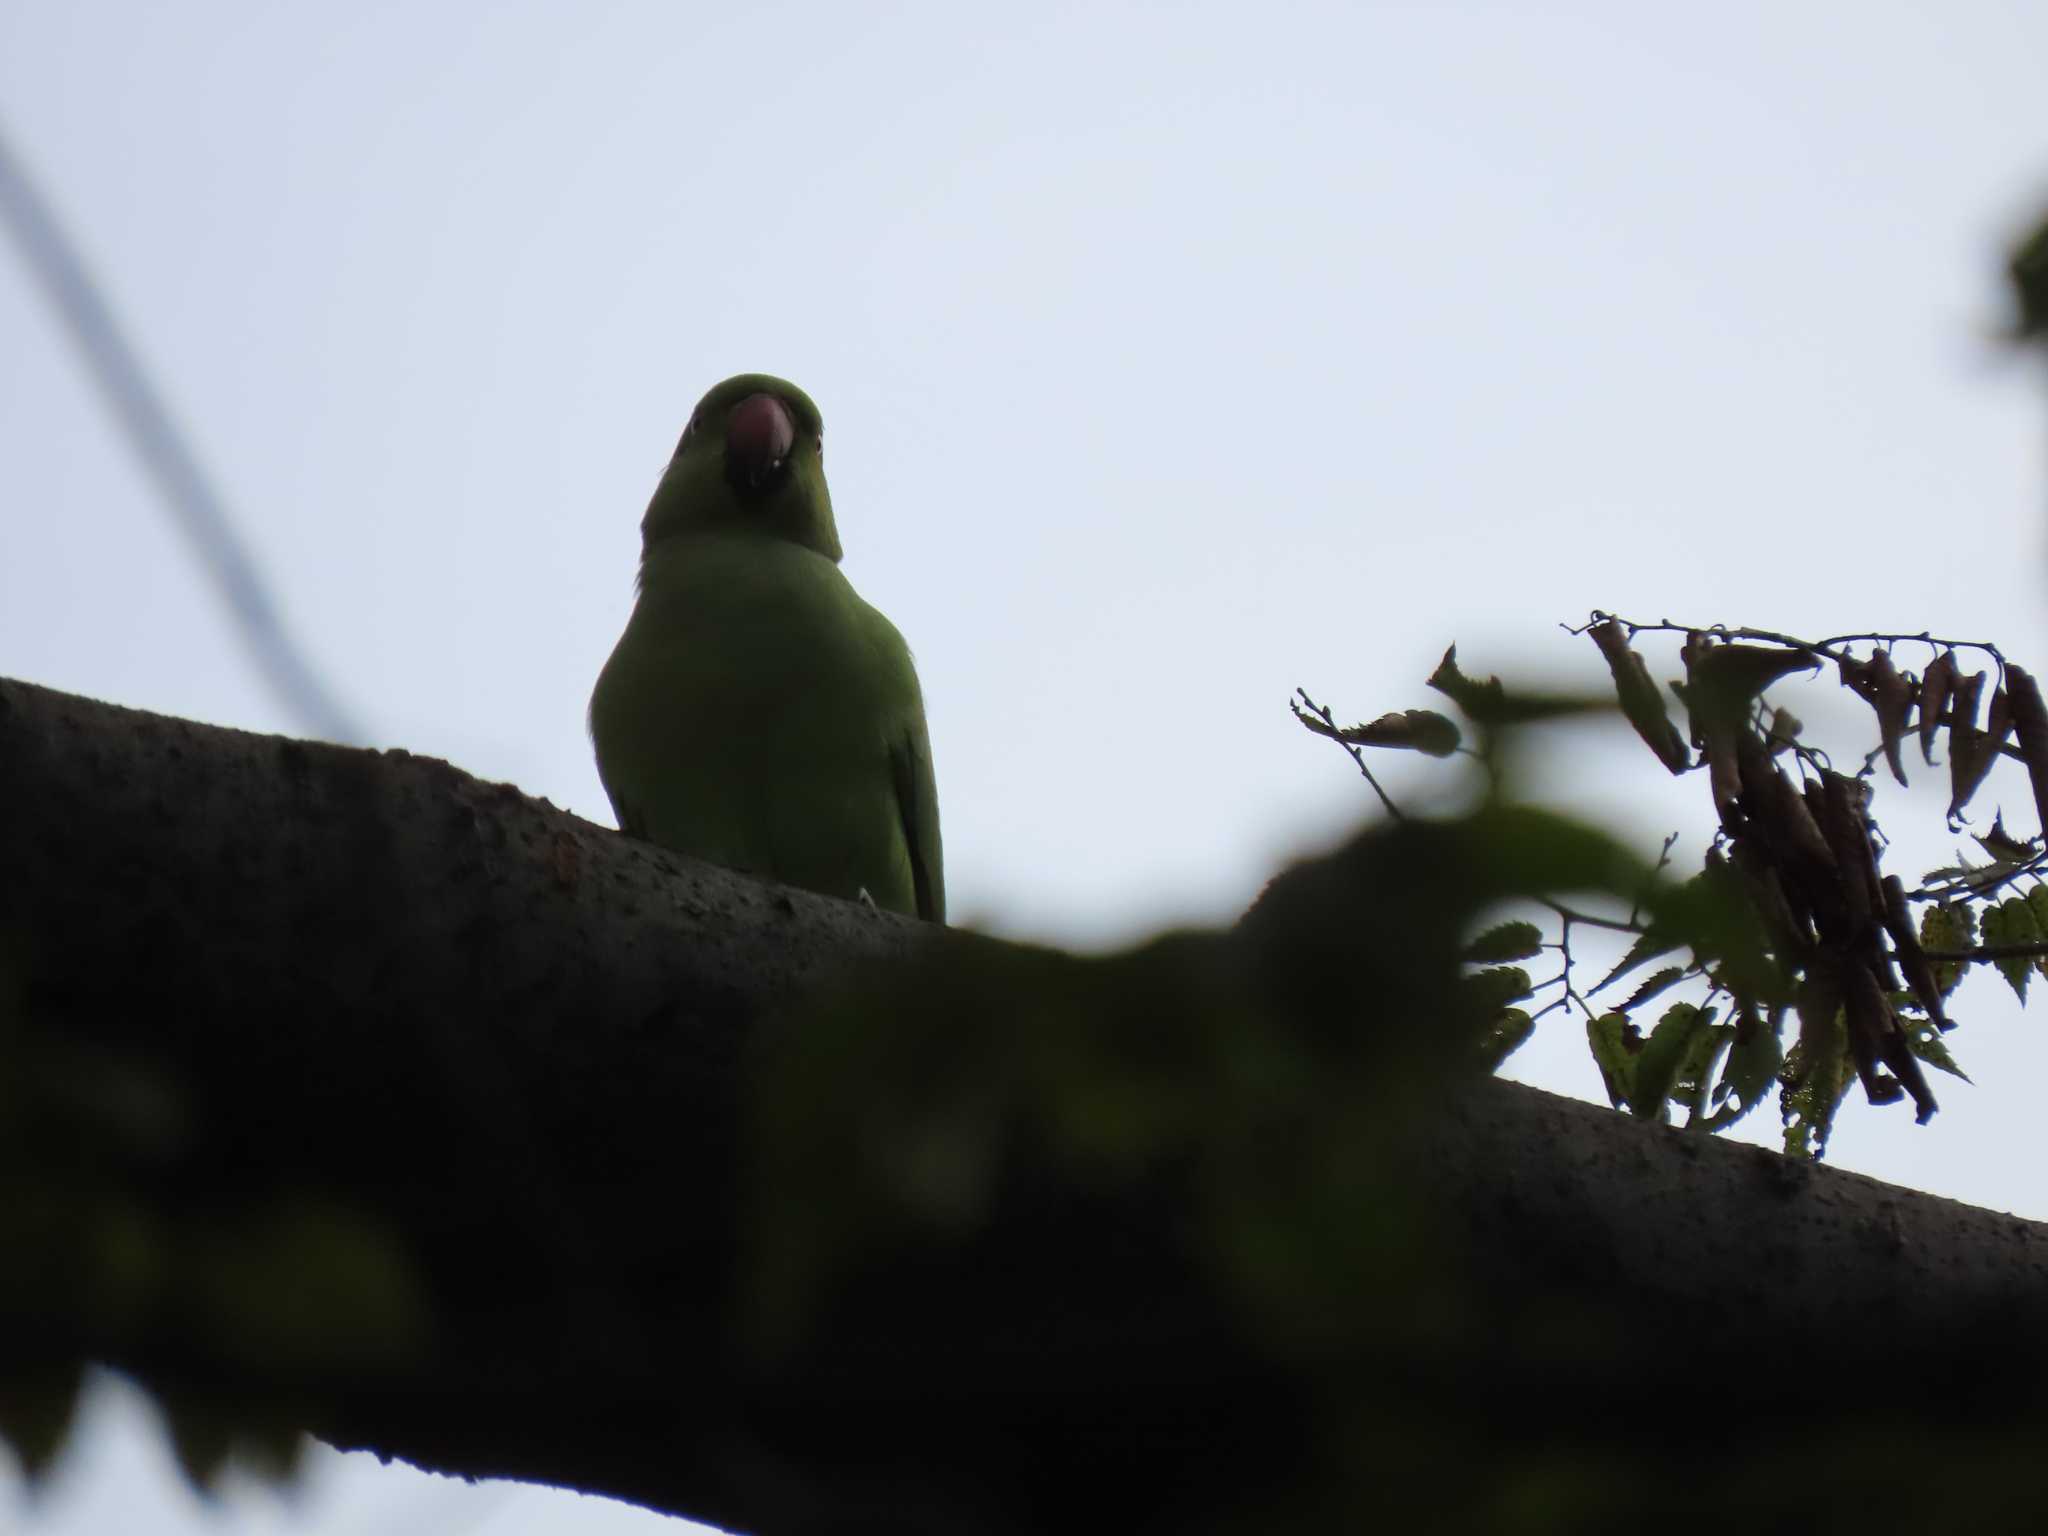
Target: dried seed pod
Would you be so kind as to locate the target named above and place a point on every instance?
(2030, 720)
(1792, 822)
(1998, 719)
(1790, 926)
(1936, 683)
(1968, 763)
(1898, 922)
(1868, 1009)
(1784, 730)
(1868, 1019)
(1690, 653)
(1983, 752)
(1724, 780)
(1722, 679)
(1641, 703)
(1892, 698)
(1848, 834)
(1817, 1000)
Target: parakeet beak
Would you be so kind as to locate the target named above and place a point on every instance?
(758, 437)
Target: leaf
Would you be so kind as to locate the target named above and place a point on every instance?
(1416, 730)
(1488, 703)
(1716, 915)
(1654, 983)
(1646, 947)
(2037, 899)
(1746, 1077)
(1505, 1036)
(1478, 699)
(1977, 877)
(2012, 921)
(1657, 1068)
(1615, 1043)
(1926, 1042)
(200, 1436)
(1641, 704)
(1517, 850)
(36, 1411)
(2007, 851)
(1696, 1070)
(1952, 927)
(2027, 271)
(1816, 1074)
(1492, 990)
(1508, 941)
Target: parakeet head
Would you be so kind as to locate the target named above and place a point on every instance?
(752, 456)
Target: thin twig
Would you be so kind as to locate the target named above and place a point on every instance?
(2034, 951)
(1357, 753)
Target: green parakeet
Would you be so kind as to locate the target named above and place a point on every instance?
(757, 713)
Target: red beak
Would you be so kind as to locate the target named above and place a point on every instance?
(758, 437)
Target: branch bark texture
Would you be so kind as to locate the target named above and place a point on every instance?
(514, 1046)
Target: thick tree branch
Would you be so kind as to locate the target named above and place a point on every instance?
(516, 1047)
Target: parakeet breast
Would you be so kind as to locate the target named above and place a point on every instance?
(753, 714)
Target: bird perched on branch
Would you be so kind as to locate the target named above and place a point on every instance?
(756, 712)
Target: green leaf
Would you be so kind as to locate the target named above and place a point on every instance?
(1696, 1069)
(1926, 1042)
(1948, 926)
(2012, 921)
(1658, 1067)
(2006, 851)
(1616, 1043)
(1655, 982)
(1493, 989)
(1508, 941)
(1517, 850)
(1646, 947)
(1973, 877)
(2027, 271)
(1505, 1036)
(1814, 1079)
(2037, 903)
(36, 1409)
(1488, 703)
(201, 1437)
(1746, 1076)
(1715, 915)
(1478, 699)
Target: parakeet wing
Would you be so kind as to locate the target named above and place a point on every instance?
(917, 797)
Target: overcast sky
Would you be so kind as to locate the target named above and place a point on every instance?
(1173, 356)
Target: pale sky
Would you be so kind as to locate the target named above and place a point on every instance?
(1172, 356)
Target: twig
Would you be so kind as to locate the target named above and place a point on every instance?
(1357, 753)
(2037, 950)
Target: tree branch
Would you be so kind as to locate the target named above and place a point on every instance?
(516, 1047)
